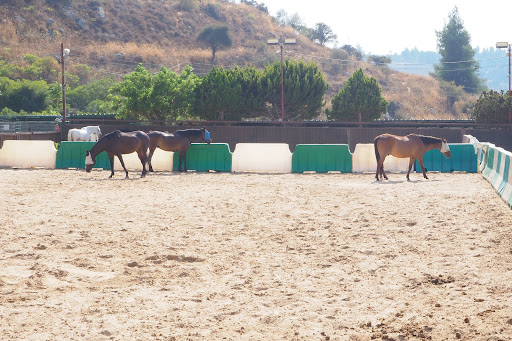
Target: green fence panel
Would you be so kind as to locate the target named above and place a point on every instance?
(506, 169)
(463, 159)
(203, 157)
(322, 158)
(489, 163)
(72, 155)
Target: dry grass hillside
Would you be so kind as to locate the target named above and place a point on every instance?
(114, 36)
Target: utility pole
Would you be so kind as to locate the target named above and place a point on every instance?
(63, 53)
(505, 45)
(281, 42)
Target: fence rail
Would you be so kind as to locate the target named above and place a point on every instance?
(292, 133)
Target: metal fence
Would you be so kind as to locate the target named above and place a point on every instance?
(24, 124)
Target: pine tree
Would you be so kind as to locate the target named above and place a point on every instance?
(359, 100)
(457, 62)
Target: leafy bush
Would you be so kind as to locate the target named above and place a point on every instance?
(187, 5)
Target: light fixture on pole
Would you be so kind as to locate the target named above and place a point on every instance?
(63, 53)
(504, 45)
(281, 42)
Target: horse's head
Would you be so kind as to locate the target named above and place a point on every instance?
(445, 149)
(98, 132)
(206, 136)
(89, 162)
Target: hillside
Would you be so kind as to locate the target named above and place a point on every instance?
(114, 36)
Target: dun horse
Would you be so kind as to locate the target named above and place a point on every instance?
(117, 143)
(178, 142)
(412, 146)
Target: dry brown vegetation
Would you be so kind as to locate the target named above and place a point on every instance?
(114, 36)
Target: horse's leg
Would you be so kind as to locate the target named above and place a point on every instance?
(411, 162)
(151, 151)
(382, 172)
(143, 159)
(120, 157)
(420, 161)
(378, 171)
(185, 160)
(111, 157)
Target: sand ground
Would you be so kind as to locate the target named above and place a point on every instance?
(220, 256)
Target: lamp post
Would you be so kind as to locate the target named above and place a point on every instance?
(281, 42)
(504, 45)
(63, 53)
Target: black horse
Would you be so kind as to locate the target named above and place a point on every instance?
(117, 143)
(178, 142)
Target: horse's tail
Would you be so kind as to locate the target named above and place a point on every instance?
(69, 135)
(377, 155)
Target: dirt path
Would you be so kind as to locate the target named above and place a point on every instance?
(213, 256)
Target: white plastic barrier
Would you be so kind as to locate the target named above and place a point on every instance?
(161, 161)
(363, 160)
(262, 157)
(478, 148)
(494, 170)
(506, 192)
(28, 154)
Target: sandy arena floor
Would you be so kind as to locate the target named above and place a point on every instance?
(219, 256)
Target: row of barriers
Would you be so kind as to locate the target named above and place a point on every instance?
(247, 157)
(494, 164)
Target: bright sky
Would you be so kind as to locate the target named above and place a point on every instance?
(384, 27)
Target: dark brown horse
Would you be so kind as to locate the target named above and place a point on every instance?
(412, 146)
(178, 142)
(117, 143)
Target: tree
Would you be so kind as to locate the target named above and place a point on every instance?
(24, 95)
(457, 63)
(230, 94)
(359, 100)
(322, 34)
(379, 60)
(80, 97)
(164, 96)
(493, 107)
(216, 37)
(304, 89)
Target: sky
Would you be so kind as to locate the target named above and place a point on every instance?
(387, 27)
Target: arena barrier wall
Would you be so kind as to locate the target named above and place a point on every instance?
(322, 158)
(490, 161)
(478, 148)
(72, 155)
(497, 173)
(262, 157)
(363, 160)
(203, 157)
(505, 188)
(161, 161)
(464, 159)
(28, 154)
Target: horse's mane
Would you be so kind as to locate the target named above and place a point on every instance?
(429, 139)
(189, 132)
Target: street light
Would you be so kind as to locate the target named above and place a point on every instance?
(504, 45)
(281, 42)
(63, 53)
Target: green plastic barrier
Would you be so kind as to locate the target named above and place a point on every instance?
(72, 155)
(463, 159)
(322, 158)
(506, 169)
(489, 163)
(203, 157)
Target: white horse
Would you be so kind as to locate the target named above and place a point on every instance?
(89, 133)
